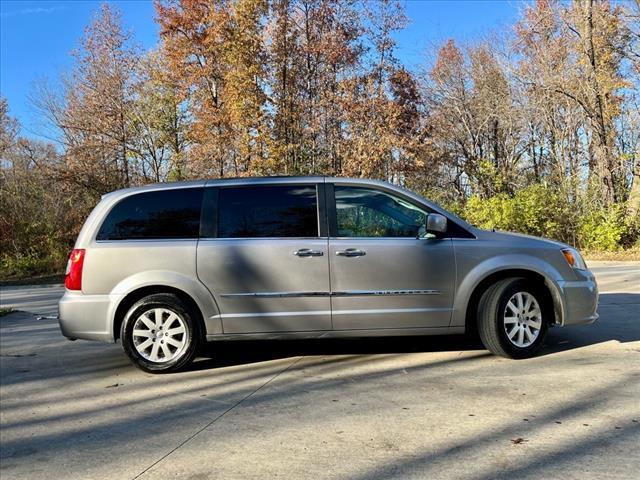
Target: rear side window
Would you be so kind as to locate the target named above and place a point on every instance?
(268, 211)
(163, 214)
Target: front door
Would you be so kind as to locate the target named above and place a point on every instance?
(266, 263)
(385, 271)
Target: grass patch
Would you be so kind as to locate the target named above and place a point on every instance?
(631, 254)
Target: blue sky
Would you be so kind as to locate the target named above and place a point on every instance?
(36, 37)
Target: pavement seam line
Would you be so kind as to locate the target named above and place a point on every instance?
(195, 434)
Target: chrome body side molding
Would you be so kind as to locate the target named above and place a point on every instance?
(365, 293)
(275, 294)
(346, 293)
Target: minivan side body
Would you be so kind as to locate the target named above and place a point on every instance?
(305, 257)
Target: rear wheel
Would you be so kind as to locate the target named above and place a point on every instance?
(160, 333)
(513, 316)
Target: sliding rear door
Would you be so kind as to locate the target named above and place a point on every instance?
(264, 257)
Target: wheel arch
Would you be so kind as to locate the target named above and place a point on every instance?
(129, 300)
(477, 282)
(190, 291)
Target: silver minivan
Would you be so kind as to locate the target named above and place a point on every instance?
(167, 267)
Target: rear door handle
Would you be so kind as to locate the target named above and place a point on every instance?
(307, 252)
(351, 252)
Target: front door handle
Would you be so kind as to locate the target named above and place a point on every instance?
(307, 252)
(351, 252)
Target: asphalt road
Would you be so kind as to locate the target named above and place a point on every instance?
(435, 407)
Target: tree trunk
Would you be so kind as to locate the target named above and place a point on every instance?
(603, 151)
(633, 204)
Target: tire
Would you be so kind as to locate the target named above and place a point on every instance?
(513, 317)
(167, 333)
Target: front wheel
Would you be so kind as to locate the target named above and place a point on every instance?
(513, 316)
(160, 333)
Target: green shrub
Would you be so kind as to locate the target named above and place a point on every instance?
(547, 212)
(32, 263)
(495, 212)
(536, 210)
(605, 229)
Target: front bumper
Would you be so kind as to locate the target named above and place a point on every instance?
(86, 316)
(579, 299)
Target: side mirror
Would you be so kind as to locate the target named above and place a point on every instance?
(436, 223)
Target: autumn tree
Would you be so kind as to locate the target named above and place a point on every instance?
(8, 128)
(92, 113)
(214, 52)
(37, 221)
(245, 82)
(328, 44)
(628, 141)
(382, 102)
(473, 109)
(572, 57)
(158, 122)
(284, 69)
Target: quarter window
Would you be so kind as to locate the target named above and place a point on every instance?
(365, 212)
(163, 214)
(268, 211)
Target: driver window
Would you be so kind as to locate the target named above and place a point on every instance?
(366, 212)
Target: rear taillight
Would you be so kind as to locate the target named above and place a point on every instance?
(73, 275)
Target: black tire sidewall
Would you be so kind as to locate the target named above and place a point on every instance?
(521, 285)
(170, 302)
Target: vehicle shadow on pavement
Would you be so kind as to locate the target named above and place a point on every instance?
(229, 353)
(619, 321)
(615, 324)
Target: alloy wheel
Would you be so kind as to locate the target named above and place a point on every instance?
(159, 335)
(522, 319)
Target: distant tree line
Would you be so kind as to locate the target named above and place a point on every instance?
(535, 128)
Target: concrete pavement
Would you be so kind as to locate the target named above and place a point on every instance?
(40, 300)
(435, 407)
